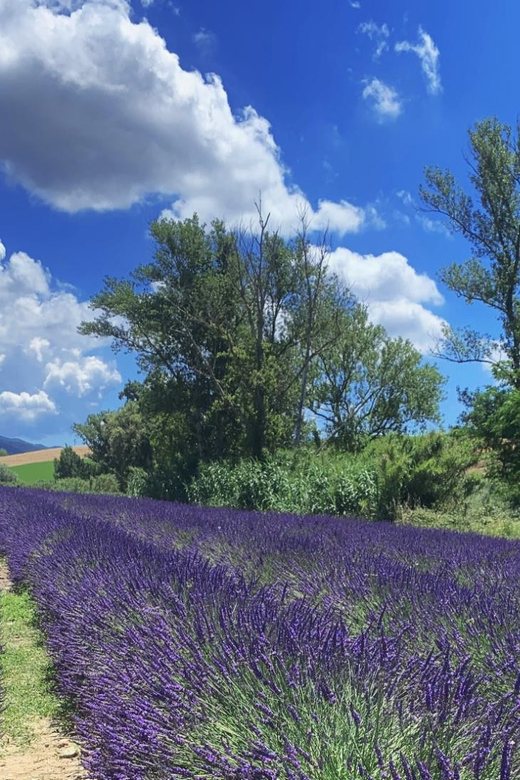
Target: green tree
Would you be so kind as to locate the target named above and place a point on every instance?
(370, 385)
(226, 325)
(70, 464)
(493, 417)
(118, 440)
(3, 452)
(489, 218)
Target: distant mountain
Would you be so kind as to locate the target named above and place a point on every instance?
(16, 446)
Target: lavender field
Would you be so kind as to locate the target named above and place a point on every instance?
(210, 643)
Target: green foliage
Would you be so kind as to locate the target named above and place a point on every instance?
(371, 384)
(483, 512)
(236, 335)
(118, 440)
(428, 471)
(103, 483)
(3, 452)
(285, 483)
(489, 219)
(165, 484)
(415, 471)
(7, 476)
(70, 464)
(493, 417)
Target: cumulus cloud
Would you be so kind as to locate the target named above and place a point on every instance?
(81, 376)
(378, 34)
(428, 54)
(46, 366)
(39, 347)
(119, 119)
(26, 407)
(384, 99)
(394, 292)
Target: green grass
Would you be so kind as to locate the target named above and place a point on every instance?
(34, 472)
(24, 667)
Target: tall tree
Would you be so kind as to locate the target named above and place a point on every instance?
(489, 218)
(371, 384)
(213, 324)
(317, 320)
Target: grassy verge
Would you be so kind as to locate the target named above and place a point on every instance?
(484, 512)
(24, 667)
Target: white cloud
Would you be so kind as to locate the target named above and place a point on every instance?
(428, 224)
(119, 119)
(205, 40)
(39, 346)
(355, 4)
(44, 358)
(2, 251)
(2, 358)
(147, 3)
(79, 377)
(385, 100)
(378, 34)
(428, 54)
(394, 292)
(26, 407)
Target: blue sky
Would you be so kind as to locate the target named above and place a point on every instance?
(113, 113)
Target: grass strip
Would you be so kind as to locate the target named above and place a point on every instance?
(24, 667)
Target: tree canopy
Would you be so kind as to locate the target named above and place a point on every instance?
(245, 340)
(489, 218)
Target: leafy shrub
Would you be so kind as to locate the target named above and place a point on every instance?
(103, 483)
(301, 484)
(70, 464)
(422, 471)
(415, 471)
(159, 483)
(7, 477)
(484, 512)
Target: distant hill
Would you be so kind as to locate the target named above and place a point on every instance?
(17, 446)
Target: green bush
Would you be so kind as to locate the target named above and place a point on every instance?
(430, 470)
(7, 477)
(103, 483)
(285, 483)
(159, 483)
(484, 512)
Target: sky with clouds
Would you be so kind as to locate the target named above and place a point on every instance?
(115, 112)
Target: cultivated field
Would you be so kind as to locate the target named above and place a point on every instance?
(209, 643)
(40, 456)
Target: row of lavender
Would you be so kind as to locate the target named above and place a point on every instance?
(215, 644)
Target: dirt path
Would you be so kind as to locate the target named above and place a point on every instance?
(40, 456)
(49, 755)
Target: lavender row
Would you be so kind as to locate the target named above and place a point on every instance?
(353, 650)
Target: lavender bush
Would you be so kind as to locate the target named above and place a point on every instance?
(210, 643)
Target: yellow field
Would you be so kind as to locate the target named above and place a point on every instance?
(40, 456)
